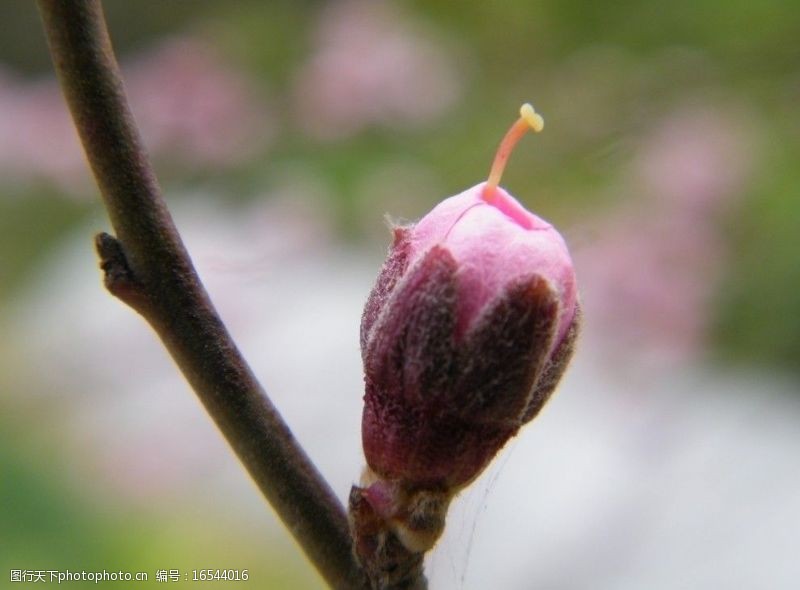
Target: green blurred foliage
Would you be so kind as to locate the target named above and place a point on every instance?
(48, 522)
(30, 225)
(759, 313)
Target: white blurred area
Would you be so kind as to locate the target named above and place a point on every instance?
(639, 474)
(630, 479)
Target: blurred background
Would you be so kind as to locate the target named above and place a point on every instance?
(283, 134)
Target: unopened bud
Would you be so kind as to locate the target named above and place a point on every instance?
(464, 337)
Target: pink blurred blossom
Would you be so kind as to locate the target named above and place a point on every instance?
(651, 271)
(195, 106)
(696, 160)
(372, 66)
(193, 109)
(37, 138)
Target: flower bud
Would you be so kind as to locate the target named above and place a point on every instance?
(464, 337)
(468, 313)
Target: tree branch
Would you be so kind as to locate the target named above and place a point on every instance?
(148, 267)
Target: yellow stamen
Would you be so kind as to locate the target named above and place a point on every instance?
(528, 119)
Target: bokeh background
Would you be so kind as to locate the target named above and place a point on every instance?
(283, 133)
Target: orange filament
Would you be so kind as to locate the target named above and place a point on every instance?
(528, 120)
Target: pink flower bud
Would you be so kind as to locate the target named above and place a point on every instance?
(468, 314)
(464, 337)
(495, 243)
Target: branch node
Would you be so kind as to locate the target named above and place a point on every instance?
(118, 277)
(389, 565)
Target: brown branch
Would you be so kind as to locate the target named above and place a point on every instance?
(147, 267)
